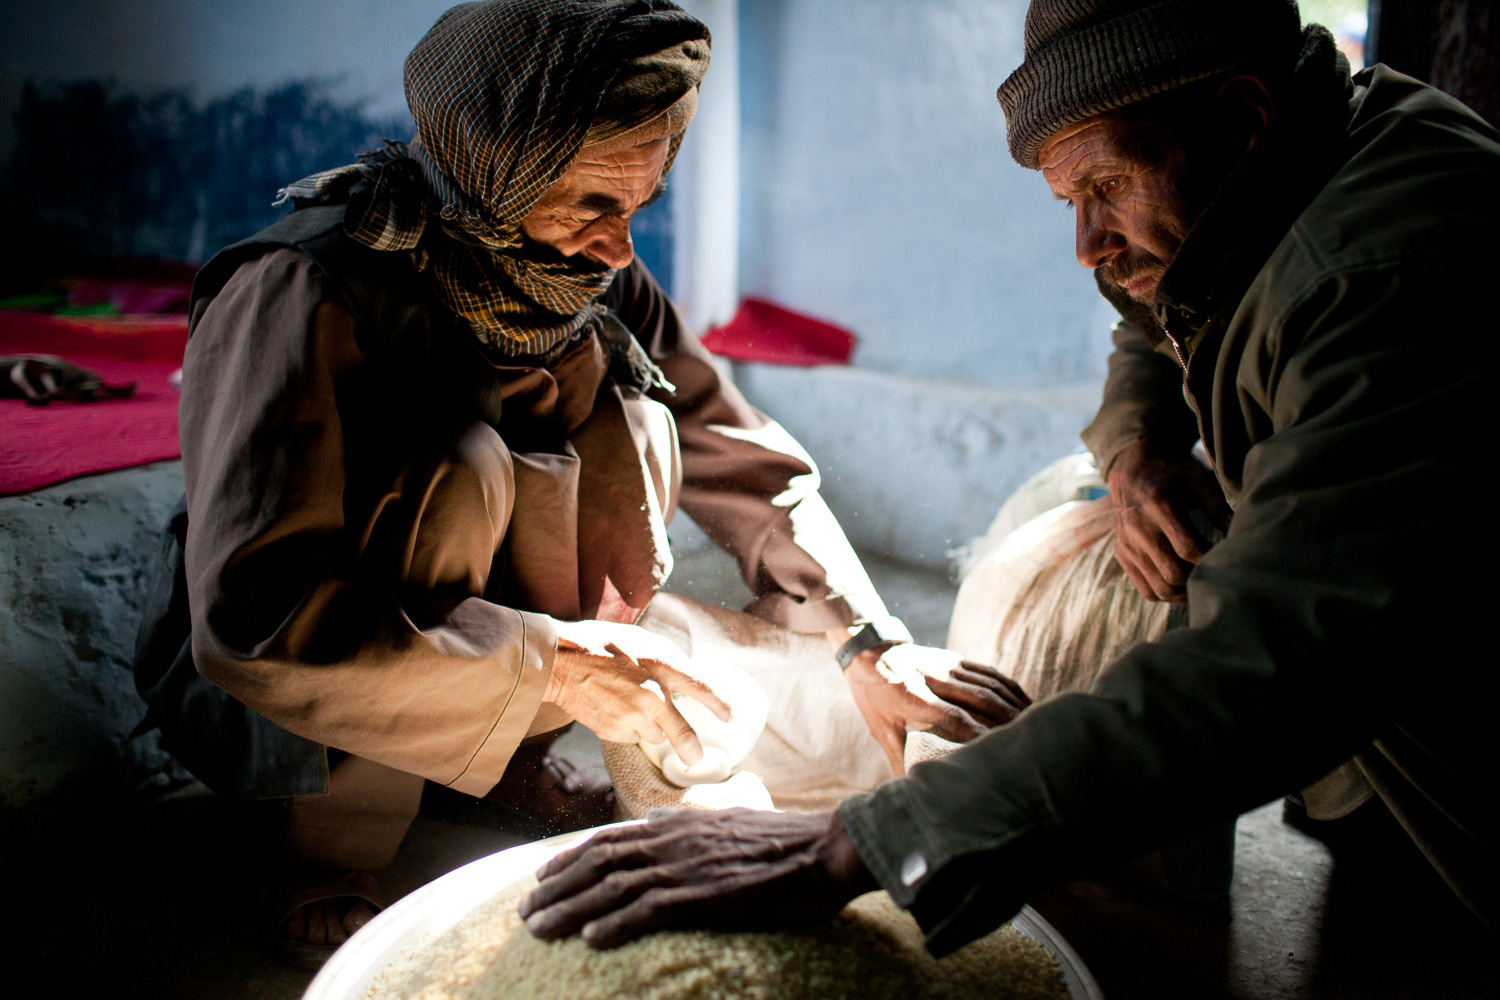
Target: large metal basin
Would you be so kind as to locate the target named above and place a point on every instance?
(440, 904)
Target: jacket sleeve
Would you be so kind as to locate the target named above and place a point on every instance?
(1340, 605)
(290, 612)
(750, 486)
(1142, 392)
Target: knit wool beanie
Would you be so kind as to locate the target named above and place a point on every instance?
(1086, 57)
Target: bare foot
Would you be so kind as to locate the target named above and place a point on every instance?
(328, 921)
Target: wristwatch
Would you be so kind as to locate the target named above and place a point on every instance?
(875, 632)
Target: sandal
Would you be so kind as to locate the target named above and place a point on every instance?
(311, 886)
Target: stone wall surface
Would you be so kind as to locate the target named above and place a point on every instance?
(75, 561)
(915, 468)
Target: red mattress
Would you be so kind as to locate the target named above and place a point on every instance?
(42, 445)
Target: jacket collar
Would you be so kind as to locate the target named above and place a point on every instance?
(1262, 196)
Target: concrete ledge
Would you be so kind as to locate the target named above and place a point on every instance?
(74, 564)
(914, 468)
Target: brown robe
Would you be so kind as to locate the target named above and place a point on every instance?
(393, 592)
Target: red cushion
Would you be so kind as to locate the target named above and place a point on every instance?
(765, 331)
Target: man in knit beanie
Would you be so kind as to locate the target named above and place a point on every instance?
(1102, 78)
(1295, 256)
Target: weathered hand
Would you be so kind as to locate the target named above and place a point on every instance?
(600, 675)
(1166, 510)
(732, 870)
(910, 687)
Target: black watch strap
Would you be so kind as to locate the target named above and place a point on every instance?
(875, 632)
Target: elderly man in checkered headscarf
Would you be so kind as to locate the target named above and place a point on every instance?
(433, 424)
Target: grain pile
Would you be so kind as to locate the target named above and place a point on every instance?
(873, 949)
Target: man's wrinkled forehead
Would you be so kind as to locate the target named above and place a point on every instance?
(598, 181)
(1074, 154)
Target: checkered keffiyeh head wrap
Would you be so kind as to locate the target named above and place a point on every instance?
(505, 93)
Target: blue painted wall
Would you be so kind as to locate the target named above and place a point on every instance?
(878, 191)
(100, 170)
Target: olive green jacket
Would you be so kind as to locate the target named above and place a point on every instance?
(1331, 310)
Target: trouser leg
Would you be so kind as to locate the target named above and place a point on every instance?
(362, 820)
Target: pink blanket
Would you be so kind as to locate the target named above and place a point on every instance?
(42, 445)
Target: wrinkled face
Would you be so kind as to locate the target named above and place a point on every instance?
(1130, 214)
(588, 210)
